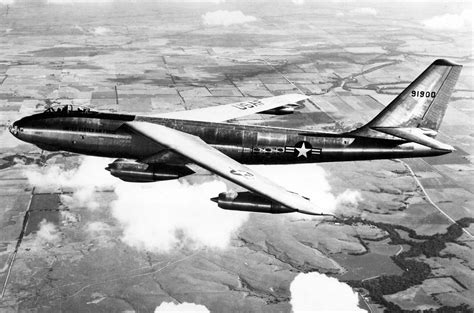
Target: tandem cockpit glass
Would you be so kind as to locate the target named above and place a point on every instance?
(68, 109)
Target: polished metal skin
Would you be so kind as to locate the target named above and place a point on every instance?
(138, 172)
(404, 129)
(102, 134)
(247, 201)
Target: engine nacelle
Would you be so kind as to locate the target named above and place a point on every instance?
(137, 172)
(247, 201)
(280, 111)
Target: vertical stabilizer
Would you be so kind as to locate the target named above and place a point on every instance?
(423, 103)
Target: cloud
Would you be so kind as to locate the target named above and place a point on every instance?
(298, 2)
(205, 1)
(450, 21)
(226, 18)
(79, 1)
(314, 292)
(181, 307)
(89, 173)
(68, 218)
(97, 228)
(349, 198)
(166, 215)
(83, 197)
(364, 11)
(89, 176)
(47, 232)
(99, 31)
(310, 180)
(112, 1)
(156, 216)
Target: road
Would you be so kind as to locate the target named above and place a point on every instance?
(429, 199)
(18, 243)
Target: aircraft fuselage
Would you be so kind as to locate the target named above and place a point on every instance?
(104, 134)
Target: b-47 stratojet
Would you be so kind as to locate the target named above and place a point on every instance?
(173, 145)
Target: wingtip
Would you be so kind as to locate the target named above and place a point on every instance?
(444, 62)
(316, 213)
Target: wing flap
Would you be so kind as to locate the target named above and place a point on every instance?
(195, 149)
(222, 113)
(165, 156)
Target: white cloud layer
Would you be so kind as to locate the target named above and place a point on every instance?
(165, 215)
(364, 11)
(7, 2)
(112, 1)
(314, 292)
(226, 18)
(155, 216)
(310, 180)
(47, 232)
(79, 1)
(450, 21)
(181, 307)
(298, 2)
(97, 228)
(89, 176)
(99, 31)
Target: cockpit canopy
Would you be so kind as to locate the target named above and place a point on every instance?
(67, 109)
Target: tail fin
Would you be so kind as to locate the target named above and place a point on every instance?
(423, 103)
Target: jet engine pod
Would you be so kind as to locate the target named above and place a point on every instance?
(247, 201)
(131, 171)
(280, 111)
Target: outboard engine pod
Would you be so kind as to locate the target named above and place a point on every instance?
(247, 201)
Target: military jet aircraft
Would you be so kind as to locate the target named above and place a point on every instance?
(173, 145)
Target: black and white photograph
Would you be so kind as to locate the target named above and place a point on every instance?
(236, 156)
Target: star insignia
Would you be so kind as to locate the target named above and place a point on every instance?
(303, 150)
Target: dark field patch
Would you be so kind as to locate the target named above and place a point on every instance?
(43, 207)
(225, 39)
(65, 52)
(438, 182)
(145, 79)
(239, 70)
(358, 269)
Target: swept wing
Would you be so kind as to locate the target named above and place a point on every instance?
(196, 150)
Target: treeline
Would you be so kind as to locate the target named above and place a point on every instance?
(415, 272)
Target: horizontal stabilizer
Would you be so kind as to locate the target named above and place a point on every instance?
(415, 135)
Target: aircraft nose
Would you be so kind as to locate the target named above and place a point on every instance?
(13, 128)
